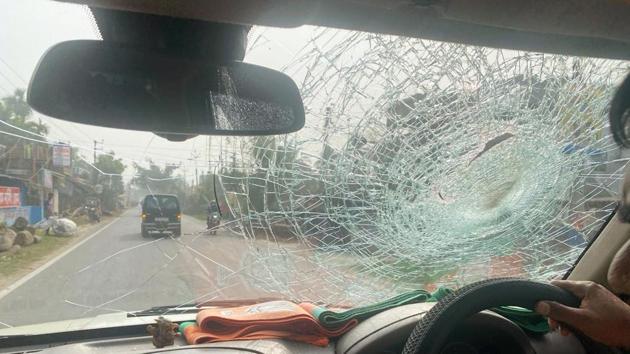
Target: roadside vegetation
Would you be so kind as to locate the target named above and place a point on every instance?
(28, 258)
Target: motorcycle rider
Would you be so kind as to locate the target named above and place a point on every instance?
(213, 207)
(213, 219)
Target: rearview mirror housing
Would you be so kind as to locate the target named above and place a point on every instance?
(619, 115)
(117, 86)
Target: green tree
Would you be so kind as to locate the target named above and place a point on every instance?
(156, 179)
(111, 181)
(15, 111)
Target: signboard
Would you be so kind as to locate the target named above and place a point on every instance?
(61, 155)
(17, 171)
(8, 215)
(9, 197)
(47, 179)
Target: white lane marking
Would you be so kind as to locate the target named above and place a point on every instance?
(4, 292)
(116, 254)
(5, 324)
(203, 267)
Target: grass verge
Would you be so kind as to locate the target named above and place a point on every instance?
(27, 256)
(13, 266)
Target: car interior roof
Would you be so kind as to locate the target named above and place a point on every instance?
(573, 27)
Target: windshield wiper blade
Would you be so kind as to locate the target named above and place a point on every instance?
(194, 308)
(169, 309)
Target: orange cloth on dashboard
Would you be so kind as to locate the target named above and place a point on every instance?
(195, 335)
(274, 319)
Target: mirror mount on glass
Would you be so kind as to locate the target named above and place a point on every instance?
(121, 86)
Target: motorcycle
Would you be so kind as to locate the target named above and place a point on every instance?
(93, 209)
(213, 220)
(93, 214)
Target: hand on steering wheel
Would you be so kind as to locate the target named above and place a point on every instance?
(602, 316)
(432, 331)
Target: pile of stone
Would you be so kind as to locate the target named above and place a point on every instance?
(19, 235)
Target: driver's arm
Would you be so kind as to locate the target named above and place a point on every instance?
(602, 316)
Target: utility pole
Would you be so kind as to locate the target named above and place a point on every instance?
(96, 142)
(186, 179)
(194, 155)
(209, 151)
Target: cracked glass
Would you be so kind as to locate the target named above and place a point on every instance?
(422, 164)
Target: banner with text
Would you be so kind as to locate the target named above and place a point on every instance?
(62, 155)
(9, 197)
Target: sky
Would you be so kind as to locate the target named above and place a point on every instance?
(29, 27)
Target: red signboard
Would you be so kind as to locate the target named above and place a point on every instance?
(9, 197)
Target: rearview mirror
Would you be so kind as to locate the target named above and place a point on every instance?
(111, 85)
(619, 115)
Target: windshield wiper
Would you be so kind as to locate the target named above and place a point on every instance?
(169, 309)
(194, 308)
(19, 340)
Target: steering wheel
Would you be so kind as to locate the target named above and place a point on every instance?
(430, 334)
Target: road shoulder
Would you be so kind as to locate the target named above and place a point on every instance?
(32, 258)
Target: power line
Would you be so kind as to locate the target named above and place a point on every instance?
(81, 158)
(14, 72)
(8, 80)
(85, 147)
(207, 164)
(7, 92)
(44, 137)
(48, 119)
(70, 144)
(120, 174)
(75, 126)
(148, 144)
(51, 121)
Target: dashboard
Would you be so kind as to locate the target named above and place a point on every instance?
(387, 332)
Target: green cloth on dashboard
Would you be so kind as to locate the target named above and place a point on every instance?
(332, 319)
(186, 324)
(526, 319)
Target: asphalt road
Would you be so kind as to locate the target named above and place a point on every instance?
(118, 270)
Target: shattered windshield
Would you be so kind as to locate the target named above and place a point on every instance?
(422, 164)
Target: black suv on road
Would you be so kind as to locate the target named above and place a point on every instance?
(160, 214)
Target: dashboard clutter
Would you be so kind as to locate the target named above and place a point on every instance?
(163, 332)
(304, 322)
(273, 319)
(333, 319)
(313, 324)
